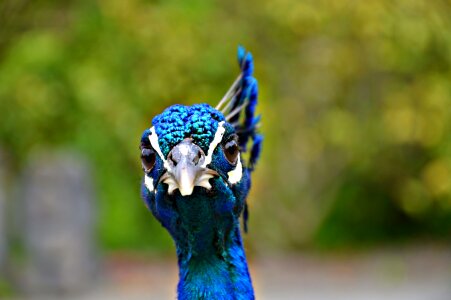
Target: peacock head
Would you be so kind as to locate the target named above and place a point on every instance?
(186, 147)
(195, 153)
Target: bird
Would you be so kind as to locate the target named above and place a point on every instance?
(197, 162)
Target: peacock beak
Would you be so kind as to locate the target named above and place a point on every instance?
(186, 170)
(185, 173)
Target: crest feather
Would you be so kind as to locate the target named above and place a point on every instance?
(238, 106)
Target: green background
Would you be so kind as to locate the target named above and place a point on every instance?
(355, 98)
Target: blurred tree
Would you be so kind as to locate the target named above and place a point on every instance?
(355, 98)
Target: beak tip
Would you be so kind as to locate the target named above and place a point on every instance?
(186, 192)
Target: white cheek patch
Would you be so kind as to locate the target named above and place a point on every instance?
(217, 139)
(236, 174)
(148, 182)
(153, 138)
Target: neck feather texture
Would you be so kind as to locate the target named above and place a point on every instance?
(212, 262)
(215, 273)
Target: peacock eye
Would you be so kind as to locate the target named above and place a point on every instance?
(231, 151)
(148, 158)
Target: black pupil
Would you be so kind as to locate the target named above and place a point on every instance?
(231, 152)
(148, 158)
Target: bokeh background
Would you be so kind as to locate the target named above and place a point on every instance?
(355, 98)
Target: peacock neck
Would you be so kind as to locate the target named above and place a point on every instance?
(211, 258)
(217, 271)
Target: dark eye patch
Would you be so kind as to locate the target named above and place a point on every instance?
(231, 149)
(148, 157)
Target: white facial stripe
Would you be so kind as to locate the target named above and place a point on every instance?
(218, 138)
(236, 174)
(148, 182)
(153, 138)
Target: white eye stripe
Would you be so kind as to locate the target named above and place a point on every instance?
(148, 182)
(217, 139)
(153, 138)
(236, 174)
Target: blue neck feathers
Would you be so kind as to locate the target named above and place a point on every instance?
(211, 258)
(213, 275)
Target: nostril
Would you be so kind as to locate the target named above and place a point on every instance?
(197, 157)
(185, 153)
(171, 158)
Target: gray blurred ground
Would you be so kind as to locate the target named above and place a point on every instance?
(420, 272)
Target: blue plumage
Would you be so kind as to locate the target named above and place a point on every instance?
(196, 182)
(178, 122)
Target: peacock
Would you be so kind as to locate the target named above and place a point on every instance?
(196, 181)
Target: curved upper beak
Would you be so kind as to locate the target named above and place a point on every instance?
(185, 173)
(185, 160)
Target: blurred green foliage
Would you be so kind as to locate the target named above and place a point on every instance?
(355, 97)
(6, 290)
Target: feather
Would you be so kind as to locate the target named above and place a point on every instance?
(256, 150)
(239, 105)
(245, 216)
